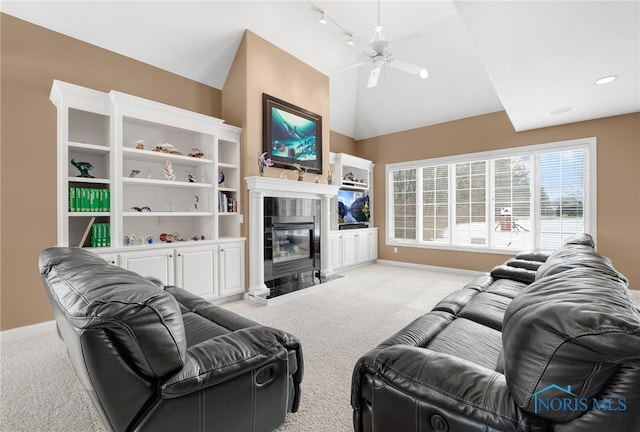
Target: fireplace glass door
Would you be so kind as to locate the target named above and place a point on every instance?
(292, 242)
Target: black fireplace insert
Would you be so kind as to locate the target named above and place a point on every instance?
(290, 246)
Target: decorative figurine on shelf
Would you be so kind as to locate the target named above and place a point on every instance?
(83, 167)
(134, 172)
(301, 171)
(263, 161)
(329, 177)
(140, 144)
(191, 176)
(221, 178)
(349, 176)
(196, 153)
(168, 171)
(195, 206)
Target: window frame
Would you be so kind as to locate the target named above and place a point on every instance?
(589, 144)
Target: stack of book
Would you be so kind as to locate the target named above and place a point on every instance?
(226, 204)
(100, 235)
(89, 199)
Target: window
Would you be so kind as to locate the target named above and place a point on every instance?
(507, 200)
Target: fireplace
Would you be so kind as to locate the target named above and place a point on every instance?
(290, 245)
(274, 203)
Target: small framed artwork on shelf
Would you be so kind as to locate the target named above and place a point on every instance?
(291, 135)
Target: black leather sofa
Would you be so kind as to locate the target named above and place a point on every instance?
(545, 342)
(158, 358)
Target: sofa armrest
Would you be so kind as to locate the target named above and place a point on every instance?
(227, 356)
(466, 391)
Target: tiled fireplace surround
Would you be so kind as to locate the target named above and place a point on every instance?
(261, 187)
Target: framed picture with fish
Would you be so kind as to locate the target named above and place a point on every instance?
(291, 135)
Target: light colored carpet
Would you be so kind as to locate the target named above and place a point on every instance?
(336, 323)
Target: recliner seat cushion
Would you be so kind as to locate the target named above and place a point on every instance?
(570, 328)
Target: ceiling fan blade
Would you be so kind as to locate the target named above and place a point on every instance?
(409, 68)
(374, 75)
(352, 66)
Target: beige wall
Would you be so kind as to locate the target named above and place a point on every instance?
(260, 67)
(618, 179)
(32, 57)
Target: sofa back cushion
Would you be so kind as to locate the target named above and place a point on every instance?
(142, 320)
(564, 337)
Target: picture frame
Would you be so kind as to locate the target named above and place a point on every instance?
(291, 135)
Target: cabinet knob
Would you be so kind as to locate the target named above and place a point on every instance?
(170, 255)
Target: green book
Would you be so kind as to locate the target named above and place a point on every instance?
(107, 200)
(94, 235)
(108, 235)
(72, 199)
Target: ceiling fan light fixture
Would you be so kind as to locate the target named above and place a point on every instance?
(322, 19)
(424, 74)
(606, 80)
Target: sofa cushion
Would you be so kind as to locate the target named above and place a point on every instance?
(572, 328)
(487, 309)
(469, 340)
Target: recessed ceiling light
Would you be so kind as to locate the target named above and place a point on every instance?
(561, 110)
(606, 80)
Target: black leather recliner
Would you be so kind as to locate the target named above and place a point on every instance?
(545, 342)
(156, 358)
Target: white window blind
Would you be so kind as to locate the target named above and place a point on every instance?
(404, 204)
(561, 195)
(471, 203)
(435, 204)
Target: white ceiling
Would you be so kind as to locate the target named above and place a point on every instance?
(530, 58)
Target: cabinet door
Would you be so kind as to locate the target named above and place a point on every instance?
(349, 247)
(336, 251)
(373, 244)
(158, 264)
(362, 252)
(195, 270)
(231, 261)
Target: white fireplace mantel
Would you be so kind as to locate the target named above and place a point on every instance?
(260, 187)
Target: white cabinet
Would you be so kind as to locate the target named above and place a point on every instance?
(353, 247)
(142, 171)
(231, 268)
(349, 248)
(150, 187)
(213, 270)
(373, 244)
(196, 269)
(155, 263)
(336, 250)
(362, 247)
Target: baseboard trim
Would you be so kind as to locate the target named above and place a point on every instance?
(26, 331)
(432, 268)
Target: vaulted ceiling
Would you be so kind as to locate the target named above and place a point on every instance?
(537, 60)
